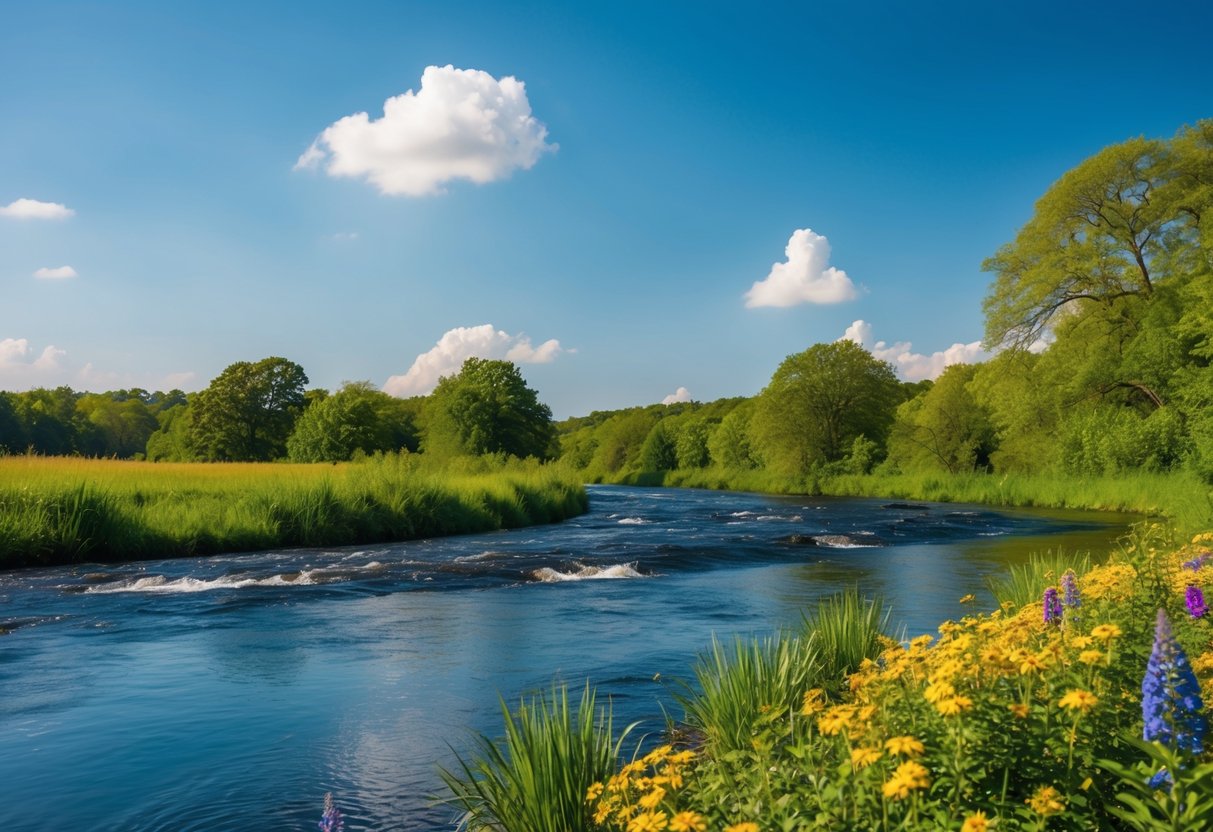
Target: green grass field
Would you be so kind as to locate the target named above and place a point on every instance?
(66, 510)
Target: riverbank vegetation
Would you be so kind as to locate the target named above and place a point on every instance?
(66, 510)
(1076, 704)
(1099, 393)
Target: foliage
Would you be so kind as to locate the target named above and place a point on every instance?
(487, 408)
(535, 778)
(944, 427)
(247, 412)
(357, 418)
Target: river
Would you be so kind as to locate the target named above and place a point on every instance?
(232, 692)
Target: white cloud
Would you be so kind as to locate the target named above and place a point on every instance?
(680, 395)
(61, 273)
(458, 345)
(22, 367)
(461, 124)
(32, 209)
(344, 236)
(805, 277)
(910, 365)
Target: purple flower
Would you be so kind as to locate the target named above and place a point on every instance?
(1171, 707)
(331, 820)
(1195, 599)
(1069, 589)
(1161, 780)
(1052, 605)
(1198, 561)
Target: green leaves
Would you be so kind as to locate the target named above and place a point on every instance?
(488, 409)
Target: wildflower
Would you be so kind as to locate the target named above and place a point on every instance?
(953, 705)
(968, 599)
(1079, 700)
(904, 745)
(863, 757)
(1069, 589)
(1195, 599)
(1197, 562)
(688, 822)
(603, 812)
(908, 777)
(1046, 801)
(1091, 656)
(593, 792)
(835, 720)
(653, 799)
(331, 820)
(1161, 781)
(648, 822)
(938, 690)
(681, 758)
(1106, 632)
(1018, 710)
(1171, 705)
(1029, 663)
(1203, 663)
(976, 822)
(657, 755)
(814, 702)
(742, 827)
(1081, 642)
(1052, 606)
(634, 767)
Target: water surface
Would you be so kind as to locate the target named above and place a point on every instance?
(231, 692)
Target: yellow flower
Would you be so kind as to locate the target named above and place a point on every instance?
(657, 755)
(968, 599)
(671, 778)
(908, 777)
(1018, 710)
(1091, 656)
(1080, 700)
(836, 719)
(1106, 632)
(904, 745)
(921, 641)
(593, 792)
(648, 822)
(864, 757)
(603, 812)
(1030, 663)
(938, 690)
(635, 767)
(953, 705)
(1203, 663)
(1046, 801)
(681, 758)
(653, 799)
(688, 822)
(1081, 642)
(747, 826)
(976, 822)
(814, 702)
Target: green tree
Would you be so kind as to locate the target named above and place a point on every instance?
(172, 441)
(488, 408)
(248, 411)
(356, 418)
(12, 432)
(120, 424)
(730, 443)
(691, 443)
(658, 453)
(943, 427)
(819, 401)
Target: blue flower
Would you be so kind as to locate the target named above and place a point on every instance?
(331, 820)
(1198, 561)
(1161, 780)
(1171, 706)
(1069, 589)
(1052, 605)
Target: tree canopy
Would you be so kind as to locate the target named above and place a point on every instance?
(248, 411)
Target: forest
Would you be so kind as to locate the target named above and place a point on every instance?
(1099, 315)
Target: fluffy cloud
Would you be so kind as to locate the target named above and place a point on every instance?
(458, 345)
(461, 124)
(23, 367)
(806, 276)
(61, 273)
(680, 395)
(32, 209)
(910, 365)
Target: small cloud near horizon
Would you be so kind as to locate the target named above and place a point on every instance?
(457, 345)
(33, 209)
(60, 273)
(680, 395)
(912, 366)
(805, 277)
(460, 124)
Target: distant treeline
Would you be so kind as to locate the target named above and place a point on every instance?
(1101, 316)
(262, 411)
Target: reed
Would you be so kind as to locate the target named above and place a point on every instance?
(67, 510)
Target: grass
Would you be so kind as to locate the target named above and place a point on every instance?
(66, 510)
(1023, 583)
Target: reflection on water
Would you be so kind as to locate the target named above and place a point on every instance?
(232, 692)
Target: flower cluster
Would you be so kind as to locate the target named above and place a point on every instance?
(331, 820)
(1171, 706)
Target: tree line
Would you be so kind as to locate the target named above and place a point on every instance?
(263, 411)
(1101, 317)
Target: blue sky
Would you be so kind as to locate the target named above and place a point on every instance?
(656, 164)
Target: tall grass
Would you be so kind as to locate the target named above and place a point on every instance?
(1024, 583)
(535, 778)
(65, 510)
(846, 628)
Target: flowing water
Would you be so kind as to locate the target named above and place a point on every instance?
(231, 692)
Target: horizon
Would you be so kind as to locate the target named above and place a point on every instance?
(634, 204)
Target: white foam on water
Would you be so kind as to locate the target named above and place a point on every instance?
(634, 521)
(158, 583)
(838, 541)
(616, 571)
(487, 555)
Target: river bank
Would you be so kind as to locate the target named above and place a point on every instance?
(67, 510)
(1182, 498)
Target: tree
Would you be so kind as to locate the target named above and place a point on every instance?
(248, 411)
(819, 401)
(12, 433)
(356, 418)
(659, 452)
(488, 408)
(944, 427)
(730, 442)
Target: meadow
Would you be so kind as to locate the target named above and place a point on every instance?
(56, 510)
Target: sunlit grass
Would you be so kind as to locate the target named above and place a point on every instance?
(55, 510)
